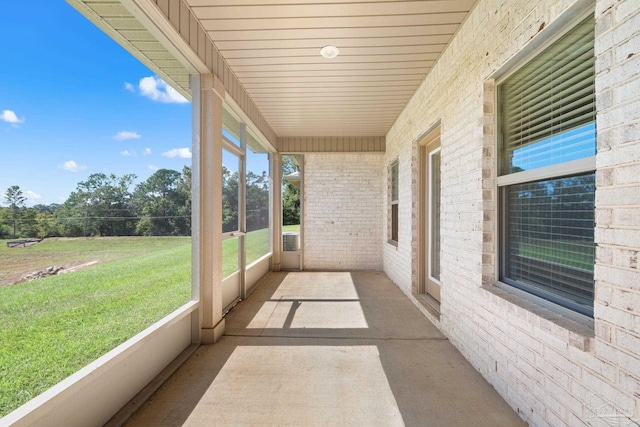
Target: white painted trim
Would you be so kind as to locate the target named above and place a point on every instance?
(194, 82)
(573, 167)
(231, 291)
(98, 21)
(256, 271)
(244, 118)
(259, 260)
(148, 14)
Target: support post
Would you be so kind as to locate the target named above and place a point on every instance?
(277, 210)
(210, 257)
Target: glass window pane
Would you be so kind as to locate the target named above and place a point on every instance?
(394, 222)
(435, 215)
(230, 187)
(258, 240)
(549, 237)
(547, 107)
(394, 181)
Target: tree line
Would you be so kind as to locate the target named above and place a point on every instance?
(106, 205)
(110, 205)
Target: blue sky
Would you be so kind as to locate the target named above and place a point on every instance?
(73, 103)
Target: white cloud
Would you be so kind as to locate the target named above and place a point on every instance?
(153, 168)
(10, 117)
(32, 196)
(128, 86)
(125, 134)
(146, 151)
(180, 153)
(128, 153)
(158, 90)
(72, 166)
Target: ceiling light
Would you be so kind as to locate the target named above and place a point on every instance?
(329, 52)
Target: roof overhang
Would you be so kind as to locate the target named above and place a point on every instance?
(267, 54)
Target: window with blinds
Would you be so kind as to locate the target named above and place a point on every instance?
(547, 118)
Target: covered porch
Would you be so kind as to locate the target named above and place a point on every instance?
(406, 310)
(325, 348)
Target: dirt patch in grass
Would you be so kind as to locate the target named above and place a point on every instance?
(70, 252)
(52, 270)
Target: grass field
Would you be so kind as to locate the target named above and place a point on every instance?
(52, 327)
(566, 253)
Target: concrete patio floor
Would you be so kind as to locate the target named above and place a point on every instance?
(320, 349)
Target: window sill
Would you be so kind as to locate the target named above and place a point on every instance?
(393, 243)
(575, 329)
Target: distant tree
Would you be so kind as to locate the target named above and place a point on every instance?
(101, 205)
(16, 201)
(73, 216)
(47, 208)
(47, 225)
(28, 226)
(184, 188)
(290, 194)
(230, 182)
(5, 219)
(257, 201)
(159, 203)
(291, 205)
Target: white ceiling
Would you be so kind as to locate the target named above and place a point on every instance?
(273, 48)
(386, 49)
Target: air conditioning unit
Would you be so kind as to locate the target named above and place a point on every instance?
(290, 241)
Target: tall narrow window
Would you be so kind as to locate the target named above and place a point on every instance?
(434, 214)
(547, 179)
(393, 228)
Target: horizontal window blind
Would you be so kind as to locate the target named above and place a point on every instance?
(548, 106)
(394, 181)
(550, 239)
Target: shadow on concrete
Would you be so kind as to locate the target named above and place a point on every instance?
(339, 348)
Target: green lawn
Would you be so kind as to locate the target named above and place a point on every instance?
(567, 253)
(52, 327)
(295, 228)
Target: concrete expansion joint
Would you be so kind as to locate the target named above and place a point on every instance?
(328, 337)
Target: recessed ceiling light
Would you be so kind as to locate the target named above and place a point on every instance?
(329, 52)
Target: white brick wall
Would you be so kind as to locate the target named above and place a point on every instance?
(553, 371)
(343, 211)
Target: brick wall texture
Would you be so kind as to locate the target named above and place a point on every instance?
(553, 371)
(343, 211)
